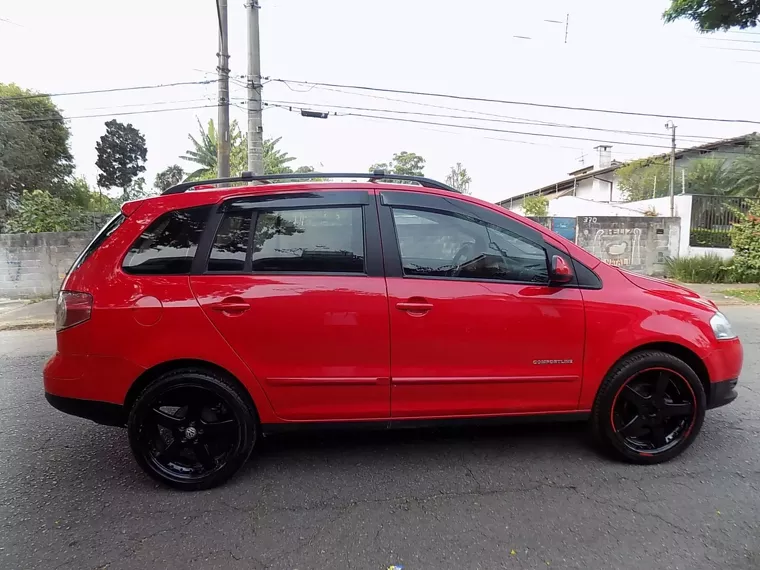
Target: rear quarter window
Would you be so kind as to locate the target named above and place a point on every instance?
(168, 245)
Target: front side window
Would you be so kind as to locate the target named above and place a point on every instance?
(315, 240)
(435, 244)
(168, 245)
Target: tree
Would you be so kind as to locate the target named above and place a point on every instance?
(275, 160)
(203, 153)
(406, 163)
(34, 151)
(712, 176)
(745, 172)
(644, 179)
(459, 179)
(168, 177)
(121, 155)
(135, 190)
(536, 206)
(713, 15)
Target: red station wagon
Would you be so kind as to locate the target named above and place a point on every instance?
(204, 319)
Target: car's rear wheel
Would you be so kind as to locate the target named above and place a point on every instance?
(192, 429)
(649, 409)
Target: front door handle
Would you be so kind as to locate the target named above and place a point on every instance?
(414, 307)
(230, 306)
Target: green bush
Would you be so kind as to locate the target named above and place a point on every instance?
(710, 238)
(745, 239)
(38, 211)
(709, 268)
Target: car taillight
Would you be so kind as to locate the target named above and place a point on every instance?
(72, 308)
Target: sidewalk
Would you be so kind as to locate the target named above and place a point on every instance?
(26, 314)
(714, 291)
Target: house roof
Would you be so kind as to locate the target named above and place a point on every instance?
(583, 174)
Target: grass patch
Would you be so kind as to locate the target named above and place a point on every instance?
(749, 295)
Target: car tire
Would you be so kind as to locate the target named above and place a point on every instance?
(192, 428)
(649, 409)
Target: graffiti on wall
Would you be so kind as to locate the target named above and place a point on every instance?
(637, 243)
(620, 247)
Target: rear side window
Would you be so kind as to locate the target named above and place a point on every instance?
(168, 245)
(102, 235)
(318, 240)
(228, 252)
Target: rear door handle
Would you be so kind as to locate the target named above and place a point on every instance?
(230, 306)
(414, 307)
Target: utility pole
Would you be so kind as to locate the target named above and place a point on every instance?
(670, 125)
(223, 69)
(253, 81)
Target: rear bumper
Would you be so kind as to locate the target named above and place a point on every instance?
(722, 393)
(100, 412)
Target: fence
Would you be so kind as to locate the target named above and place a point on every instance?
(712, 218)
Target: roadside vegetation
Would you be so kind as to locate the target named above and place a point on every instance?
(748, 295)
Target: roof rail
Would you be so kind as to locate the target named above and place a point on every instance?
(267, 178)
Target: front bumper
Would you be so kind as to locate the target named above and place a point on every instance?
(721, 393)
(103, 413)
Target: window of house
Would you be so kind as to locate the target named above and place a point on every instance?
(168, 245)
(434, 244)
(315, 240)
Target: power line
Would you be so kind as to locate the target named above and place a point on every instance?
(525, 119)
(114, 90)
(10, 22)
(732, 49)
(731, 40)
(61, 118)
(508, 102)
(525, 133)
(471, 118)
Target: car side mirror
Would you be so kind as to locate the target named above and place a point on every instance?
(561, 271)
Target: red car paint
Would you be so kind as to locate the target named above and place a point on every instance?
(350, 347)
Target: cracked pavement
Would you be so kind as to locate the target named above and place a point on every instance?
(71, 497)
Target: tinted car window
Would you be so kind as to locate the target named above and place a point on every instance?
(112, 225)
(231, 243)
(434, 244)
(168, 245)
(325, 240)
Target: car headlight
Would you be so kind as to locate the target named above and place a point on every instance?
(721, 327)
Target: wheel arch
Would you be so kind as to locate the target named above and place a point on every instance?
(681, 352)
(158, 370)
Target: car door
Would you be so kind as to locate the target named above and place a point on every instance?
(476, 326)
(294, 282)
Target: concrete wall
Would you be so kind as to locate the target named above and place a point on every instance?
(33, 265)
(640, 244)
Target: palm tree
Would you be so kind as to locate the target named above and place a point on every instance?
(204, 153)
(276, 161)
(711, 176)
(746, 171)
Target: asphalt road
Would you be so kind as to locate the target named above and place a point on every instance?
(72, 497)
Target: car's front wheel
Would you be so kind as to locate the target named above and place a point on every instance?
(649, 409)
(192, 429)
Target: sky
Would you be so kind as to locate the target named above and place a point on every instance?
(619, 55)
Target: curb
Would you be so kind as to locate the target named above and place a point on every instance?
(24, 325)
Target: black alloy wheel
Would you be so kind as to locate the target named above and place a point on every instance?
(649, 409)
(192, 429)
(654, 411)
